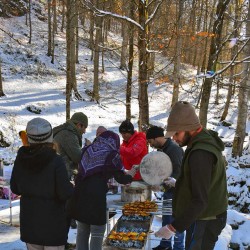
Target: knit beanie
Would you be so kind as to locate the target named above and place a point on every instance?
(182, 118)
(126, 127)
(39, 130)
(154, 132)
(79, 117)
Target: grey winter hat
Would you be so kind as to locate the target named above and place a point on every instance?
(79, 117)
(39, 130)
(182, 118)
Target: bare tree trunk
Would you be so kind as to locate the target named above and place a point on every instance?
(143, 61)
(53, 32)
(240, 132)
(63, 15)
(73, 24)
(124, 50)
(82, 13)
(49, 29)
(30, 24)
(98, 38)
(130, 63)
(213, 56)
(77, 31)
(69, 38)
(91, 34)
(177, 61)
(233, 53)
(102, 48)
(216, 101)
(1, 81)
(55, 14)
(26, 14)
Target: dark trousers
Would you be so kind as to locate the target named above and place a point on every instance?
(203, 234)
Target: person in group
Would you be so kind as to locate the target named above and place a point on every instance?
(100, 162)
(112, 184)
(133, 147)
(200, 197)
(100, 130)
(39, 175)
(156, 139)
(23, 137)
(68, 142)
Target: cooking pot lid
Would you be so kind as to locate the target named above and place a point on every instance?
(155, 167)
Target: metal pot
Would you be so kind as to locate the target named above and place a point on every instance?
(137, 191)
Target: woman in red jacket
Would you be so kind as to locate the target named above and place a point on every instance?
(133, 147)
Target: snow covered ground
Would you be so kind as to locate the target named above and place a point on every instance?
(30, 81)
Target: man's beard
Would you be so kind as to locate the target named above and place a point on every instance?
(186, 139)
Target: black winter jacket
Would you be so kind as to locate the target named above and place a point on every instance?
(40, 177)
(89, 205)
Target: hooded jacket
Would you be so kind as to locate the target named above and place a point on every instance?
(211, 198)
(39, 175)
(68, 141)
(133, 150)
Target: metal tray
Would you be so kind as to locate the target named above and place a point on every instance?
(129, 226)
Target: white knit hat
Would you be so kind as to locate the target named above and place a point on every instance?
(39, 130)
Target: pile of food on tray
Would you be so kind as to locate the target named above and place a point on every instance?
(132, 228)
(127, 239)
(138, 210)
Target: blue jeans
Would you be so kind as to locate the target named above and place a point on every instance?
(83, 233)
(179, 237)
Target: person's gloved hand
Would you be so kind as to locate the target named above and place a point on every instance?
(165, 232)
(170, 182)
(131, 172)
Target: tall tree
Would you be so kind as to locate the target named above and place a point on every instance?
(54, 30)
(143, 62)
(49, 29)
(215, 48)
(1, 81)
(125, 37)
(63, 15)
(98, 40)
(30, 24)
(70, 49)
(233, 52)
(243, 98)
(130, 63)
(178, 51)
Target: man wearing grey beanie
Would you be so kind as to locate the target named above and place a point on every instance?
(200, 197)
